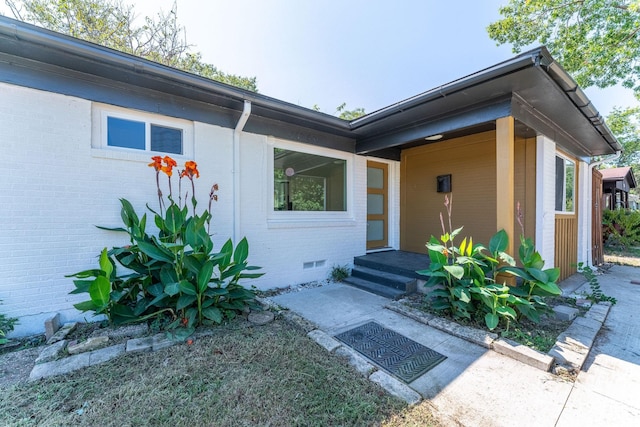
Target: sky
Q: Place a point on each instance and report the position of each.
(365, 53)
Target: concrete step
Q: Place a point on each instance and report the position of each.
(374, 288)
(403, 283)
(365, 261)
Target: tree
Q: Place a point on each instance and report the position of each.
(111, 23)
(349, 114)
(625, 124)
(597, 41)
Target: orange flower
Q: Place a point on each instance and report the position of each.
(445, 252)
(157, 163)
(190, 170)
(169, 164)
(189, 341)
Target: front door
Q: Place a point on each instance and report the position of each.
(377, 205)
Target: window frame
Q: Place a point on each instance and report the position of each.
(566, 159)
(284, 218)
(101, 148)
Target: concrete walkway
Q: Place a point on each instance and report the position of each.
(475, 386)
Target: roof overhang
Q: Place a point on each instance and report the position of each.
(531, 87)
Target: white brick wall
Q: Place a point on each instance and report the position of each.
(55, 188)
(584, 212)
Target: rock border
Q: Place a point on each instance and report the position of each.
(567, 355)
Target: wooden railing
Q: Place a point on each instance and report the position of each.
(566, 254)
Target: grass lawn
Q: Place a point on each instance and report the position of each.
(627, 256)
(243, 375)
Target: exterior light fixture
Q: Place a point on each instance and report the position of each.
(434, 137)
(443, 183)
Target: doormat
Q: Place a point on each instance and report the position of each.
(397, 354)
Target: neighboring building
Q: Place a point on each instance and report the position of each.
(518, 132)
(616, 184)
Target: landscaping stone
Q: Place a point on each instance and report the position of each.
(395, 387)
(477, 336)
(51, 326)
(599, 311)
(105, 354)
(90, 344)
(583, 302)
(410, 312)
(160, 341)
(62, 333)
(306, 325)
(128, 331)
(356, 360)
(323, 339)
(60, 367)
(565, 313)
(138, 345)
(261, 317)
(522, 353)
(52, 352)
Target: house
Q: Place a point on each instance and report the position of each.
(519, 132)
(616, 183)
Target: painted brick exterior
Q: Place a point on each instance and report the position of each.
(57, 186)
(545, 199)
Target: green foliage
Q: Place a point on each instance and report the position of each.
(175, 273)
(468, 278)
(111, 23)
(339, 272)
(538, 339)
(596, 295)
(6, 325)
(621, 227)
(625, 125)
(596, 41)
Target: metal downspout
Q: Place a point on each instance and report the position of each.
(590, 186)
(246, 112)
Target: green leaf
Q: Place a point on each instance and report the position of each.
(204, 275)
(227, 251)
(156, 289)
(491, 320)
(185, 301)
(455, 270)
(506, 311)
(155, 252)
(499, 242)
(215, 292)
(82, 286)
(539, 275)
(172, 289)
(86, 306)
(173, 219)
(212, 313)
(105, 263)
(463, 246)
(100, 290)
(553, 274)
(128, 214)
(455, 232)
(187, 287)
(242, 251)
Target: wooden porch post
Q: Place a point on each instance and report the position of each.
(505, 177)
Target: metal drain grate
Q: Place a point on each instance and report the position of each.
(397, 354)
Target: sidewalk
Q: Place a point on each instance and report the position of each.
(475, 386)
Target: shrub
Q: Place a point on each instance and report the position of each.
(339, 272)
(6, 325)
(175, 273)
(621, 227)
(468, 277)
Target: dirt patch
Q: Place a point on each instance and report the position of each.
(622, 260)
(16, 366)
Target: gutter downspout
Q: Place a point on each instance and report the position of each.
(615, 156)
(246, 112)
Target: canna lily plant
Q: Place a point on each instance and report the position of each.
(466, 277)
(173, 275)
